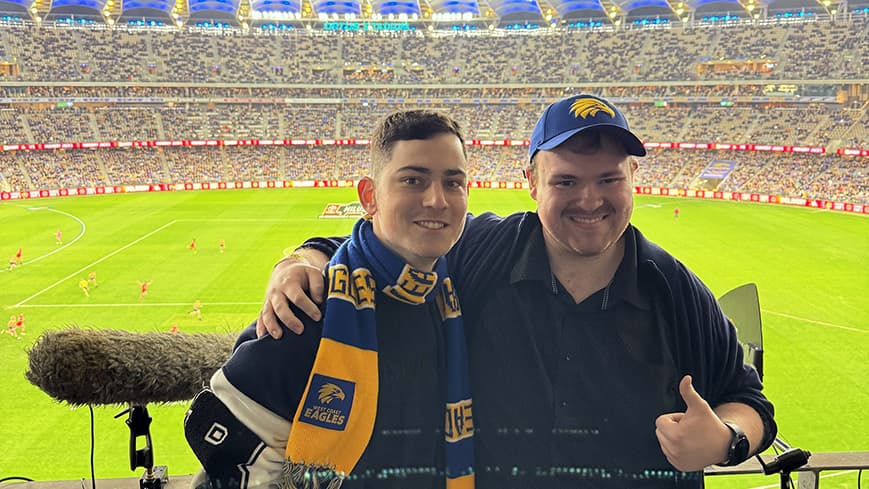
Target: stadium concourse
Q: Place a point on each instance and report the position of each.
(771, 84)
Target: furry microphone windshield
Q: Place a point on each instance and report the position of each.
(90, 366)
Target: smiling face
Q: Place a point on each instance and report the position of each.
(419, 197)
(584, 194)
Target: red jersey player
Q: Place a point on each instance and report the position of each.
(19, 324)
(143, 288)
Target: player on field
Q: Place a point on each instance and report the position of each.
(143, 288)
(10, 326)
(83, 285)
(19, 325)
(197, 309)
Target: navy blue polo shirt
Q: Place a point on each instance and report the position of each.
(566, 394)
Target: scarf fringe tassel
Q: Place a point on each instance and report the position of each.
(303, 476)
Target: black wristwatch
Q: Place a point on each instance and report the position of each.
(739, 446)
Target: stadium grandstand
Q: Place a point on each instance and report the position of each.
(97, 93)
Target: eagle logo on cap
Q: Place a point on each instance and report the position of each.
(589, 107)
(328, 392)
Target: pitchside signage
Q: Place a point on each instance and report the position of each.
(363, 142)
(355, 210)
(352, 209)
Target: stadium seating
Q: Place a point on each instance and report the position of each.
(188, 85)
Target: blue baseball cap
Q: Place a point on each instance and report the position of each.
(572, 115)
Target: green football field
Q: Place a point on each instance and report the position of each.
(810, 267)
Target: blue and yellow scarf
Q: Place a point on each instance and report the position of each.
(334, 421)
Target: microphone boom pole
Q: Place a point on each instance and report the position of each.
(115, 367)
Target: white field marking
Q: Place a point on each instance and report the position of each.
(82, 229)
(651, 206)
(137, 304)
(813, 321)
(106, 257)
(823, 476)
(231, 220)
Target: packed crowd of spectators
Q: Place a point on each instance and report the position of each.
(788, 51)
(841, 179)
(205, 93)
(132, 166)
(814, 124)
(819, 176)
(336, 86)
(114, 123)
(74, 122)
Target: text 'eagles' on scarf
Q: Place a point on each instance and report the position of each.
(334, 421)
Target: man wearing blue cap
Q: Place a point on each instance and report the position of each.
(597, 359)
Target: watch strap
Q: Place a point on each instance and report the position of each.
(738, 450)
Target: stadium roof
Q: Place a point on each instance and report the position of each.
(500, 12)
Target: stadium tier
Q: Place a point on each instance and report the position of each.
(776, 83)
(833, 52)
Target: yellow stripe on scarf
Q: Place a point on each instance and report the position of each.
(333, 424)
(463, 482)
(412, 286)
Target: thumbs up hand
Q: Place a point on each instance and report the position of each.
(695, 439)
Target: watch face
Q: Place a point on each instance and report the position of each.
(740, 449)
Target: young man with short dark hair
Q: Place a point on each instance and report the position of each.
(359, 399)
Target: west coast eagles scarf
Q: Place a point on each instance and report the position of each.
(333, 423)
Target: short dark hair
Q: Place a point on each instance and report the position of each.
(406, 125)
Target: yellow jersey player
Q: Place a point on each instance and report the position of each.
(11, 329)
(197, 309)
(83, 285)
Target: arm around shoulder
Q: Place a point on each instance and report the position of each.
(297, 279)
(238, 428)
